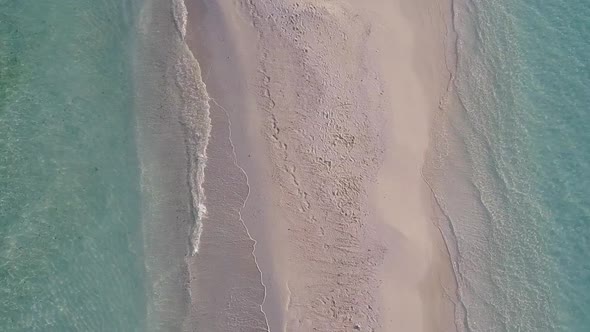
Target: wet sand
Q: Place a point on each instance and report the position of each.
(330, 105)
(225, 286)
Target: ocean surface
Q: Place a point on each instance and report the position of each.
(70, 228)
(510, 168)
(103, 124)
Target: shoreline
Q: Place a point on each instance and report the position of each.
(225, 277)
(403, 189)
(283, 207)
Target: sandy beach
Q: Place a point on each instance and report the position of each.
(319, 218)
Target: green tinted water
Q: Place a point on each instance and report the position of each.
(70, 235)
(515, 185)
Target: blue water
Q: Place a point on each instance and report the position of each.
(104, 124)
(70, 227)
(514, 165)
(511, 170)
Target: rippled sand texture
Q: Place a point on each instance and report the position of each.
(330, 105)
(324, 149)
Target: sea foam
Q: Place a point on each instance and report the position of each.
(195, 110)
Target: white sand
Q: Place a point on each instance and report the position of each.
(331, 111)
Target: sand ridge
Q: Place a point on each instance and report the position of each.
(324, 149)
(331, 128)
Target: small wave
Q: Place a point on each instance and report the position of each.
(180, 14)
(196, 123)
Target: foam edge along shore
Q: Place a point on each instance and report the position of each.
(187, 278)
(196, 122)
(505, 148)
(173, 128)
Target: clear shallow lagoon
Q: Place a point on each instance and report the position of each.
(70, 226)
(512, 168)
(103, 127)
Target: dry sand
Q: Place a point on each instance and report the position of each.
(330, 104)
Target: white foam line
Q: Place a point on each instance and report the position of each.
(235, 160)
(287, 304)
(181, 27)
(180, 16)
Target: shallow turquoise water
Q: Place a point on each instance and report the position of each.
(517, 180)
(70, 235)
